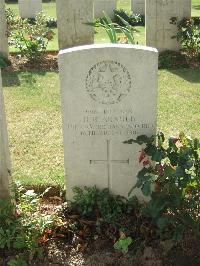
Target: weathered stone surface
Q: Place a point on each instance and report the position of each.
(104, 5)
(5, 168)
(108, 95)
(159, 29)
(73, 17)
(138, 6)
(187, 8)
(3, 29)
(29, 8)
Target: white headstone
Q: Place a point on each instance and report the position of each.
(3, 30)
(108, 96)
(187, 8)
(159, 29)
(73, 17)
(29, 8)
(104, 5)
(138, 6)
(5, 177)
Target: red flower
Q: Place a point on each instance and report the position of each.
(146, 162)
(142, 156)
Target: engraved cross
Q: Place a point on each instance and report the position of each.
(109, 161)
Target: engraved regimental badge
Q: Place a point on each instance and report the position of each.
(108, 82)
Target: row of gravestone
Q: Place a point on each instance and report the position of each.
(108, 95)
(74, 16)
(29, 8)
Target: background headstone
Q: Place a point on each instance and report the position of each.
(72, 18)
(187, 8)
(159, 29)
(5, 177)
(138, 6)
(29, 8)
(108, 95)
(3, 29)
(104, 5)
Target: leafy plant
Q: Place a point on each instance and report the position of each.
(17, 262)
(188, 35)
(109, 27)
(31, 39)
(115, 32)
(123, 244)
(130, 17)
(51, 22)
(4, 61)
(91, 201)
(174, 171)
(11, 20)
(20, 228)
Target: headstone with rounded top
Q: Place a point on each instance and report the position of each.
(187, 8)
(160, 31)
(74, 18)
(107, 6)
(29, 8)
(138, 6)
(109, 95)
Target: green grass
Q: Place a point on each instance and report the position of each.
(100, 36)
(34, 123)
(34, 120)
(195, 7)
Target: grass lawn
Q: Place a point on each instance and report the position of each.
(34, 119)
(195, 7)
(100, 37)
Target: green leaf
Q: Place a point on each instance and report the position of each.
(146, 189)
(161, 138)
(173, 156)
(178, 234)
(164, 221)
(123, 244)
(158, 155)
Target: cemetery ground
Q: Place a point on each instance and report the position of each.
(83, 232)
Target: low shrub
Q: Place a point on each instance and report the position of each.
(11, 21)
(20, 228)
(93, 202)
(188, 35)
(51, 22)
(174, 171)
(31, 38)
